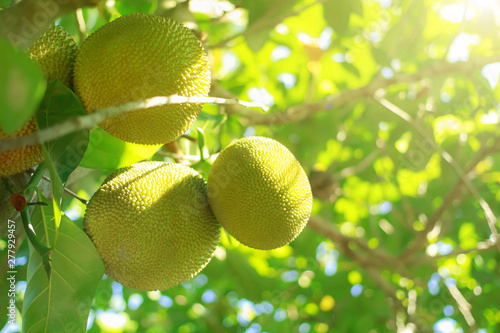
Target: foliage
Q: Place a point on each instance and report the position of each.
(392, 108)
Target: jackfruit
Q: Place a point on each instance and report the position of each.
(152, 225)
(259, 193)
(139, 56)
(55, 53)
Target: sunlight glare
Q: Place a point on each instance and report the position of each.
(486, 4)
(491, 73)
(213, 8)
(459, 50)
(111, 320)
(455, 13)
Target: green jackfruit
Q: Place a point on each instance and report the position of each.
(139, 56)
(55, 53)
(259, 193)
(152, 225)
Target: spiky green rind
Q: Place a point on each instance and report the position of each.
(259, 193)
(139, 56)
(55, 53)
(152, 225)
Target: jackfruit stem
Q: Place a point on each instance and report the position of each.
(35, 179)
(39, 247)
(42, 250)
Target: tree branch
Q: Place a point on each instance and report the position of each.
(484, 246)
(267, 21)
(90, 120)
(376, 258)
(490, 216)
(329, 230)
(67, 190)
(300, 112)
(463, 305)
(361, 166)
(179, 157)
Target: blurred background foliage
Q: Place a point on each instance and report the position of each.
(392, 108)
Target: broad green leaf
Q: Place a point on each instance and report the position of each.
(201, 142)
(338, 12)
(130, 6)
(5, 3)
(58, 105)
(62, 155)
(21, 87)
(63, 303)
(256, 9)
(211, 121)
(108, 152)
(257, 40)
(260, 13)
(497, 90)
(57, 189)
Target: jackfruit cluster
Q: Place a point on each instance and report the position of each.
(156, 224)
(259, 193)
(55, 53)
(139, 56)
(152, 225)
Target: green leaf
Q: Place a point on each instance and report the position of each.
(63, 303)
(57, 189)
(256, 9)
(62, 155)
(21, 87)
(496, 92)
(201, 142)
(202, 167)
(260, 13)
(131, 6)
(211, 121)
(108, 152)
(338, 12)
(257, 40)
(58, 105)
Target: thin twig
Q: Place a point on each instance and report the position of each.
(332, 102)
(73, 194)
(190, 138)
(387, 288)
(463, 305)
(268, 21)
(490, 216)
(330, 231)
(82, 29)
(362, 165)
(90, 120)
(192, 158)
(452, 195)
(485, 246)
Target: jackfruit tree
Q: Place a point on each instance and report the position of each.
(249, 166)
